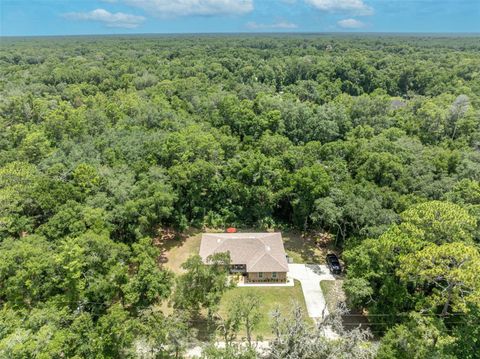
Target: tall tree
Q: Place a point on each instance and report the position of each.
(445, 275)
(441, 222)
(308, 185)
(421, 337)
(202, 285)
(148, 283)
(246, 309)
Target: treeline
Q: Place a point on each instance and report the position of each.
(105, 141)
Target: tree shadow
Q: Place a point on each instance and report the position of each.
(305, 246)
(315, 268)
(168, 238)
(204, 329)
(355, 319)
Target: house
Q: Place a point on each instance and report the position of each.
(259, 257)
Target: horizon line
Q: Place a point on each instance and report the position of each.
(229, 33)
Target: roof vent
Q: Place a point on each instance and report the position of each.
(267, 248)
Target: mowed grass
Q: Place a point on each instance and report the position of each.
(271, 298)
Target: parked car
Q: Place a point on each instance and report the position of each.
(334, 264)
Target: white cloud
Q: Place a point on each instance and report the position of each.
(165, 8)
(118, 19)
(357, 7)
(278, 25)
(350, 24)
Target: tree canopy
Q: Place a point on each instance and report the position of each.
(106, 141)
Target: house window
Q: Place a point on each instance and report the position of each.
(274, 275)
(260, 274)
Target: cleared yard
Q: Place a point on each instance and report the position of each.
(270, 299)
(176, 251)
(303, 249)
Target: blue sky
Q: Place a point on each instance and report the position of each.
(75, 17)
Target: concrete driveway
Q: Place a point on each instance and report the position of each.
(310, 276)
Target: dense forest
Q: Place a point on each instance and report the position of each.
(106, 142)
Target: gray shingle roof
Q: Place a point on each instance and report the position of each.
(260, 252)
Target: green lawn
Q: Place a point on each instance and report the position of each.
(270, 298)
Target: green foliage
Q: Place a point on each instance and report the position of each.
(448, 273)
(73, 219)
(34, 147)
(466, 333)
(105, 141)
(41, 334)
(16, 182)
(421, 337)
(161, 336)
(309, 184)
(117, 331)
(427, 263)
(371, 273)
(441, 222)
(148, 283)
(202, 285)
(85, 177)
(245, 310)
(27, 268)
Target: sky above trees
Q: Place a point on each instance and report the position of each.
(73, 17)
